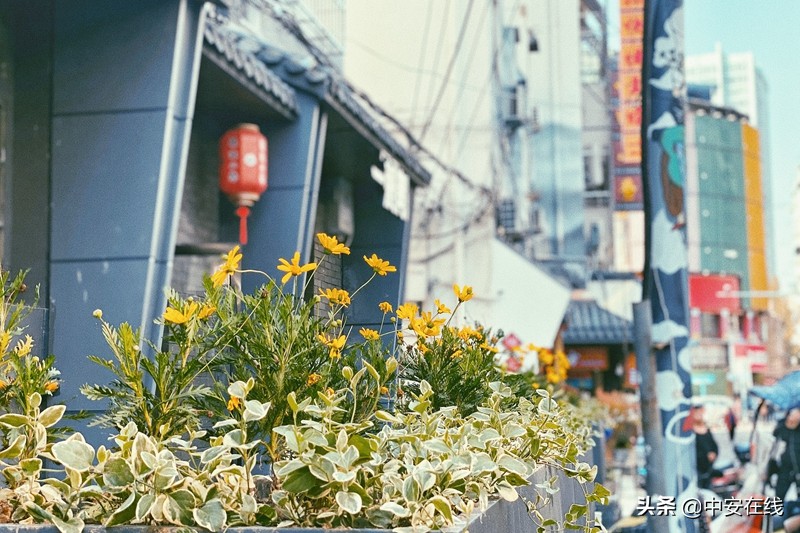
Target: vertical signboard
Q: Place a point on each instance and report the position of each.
(627, 92)
(666, 272)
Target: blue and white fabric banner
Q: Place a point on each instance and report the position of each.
(666, 276)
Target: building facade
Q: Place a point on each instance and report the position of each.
(112, 117)
(726, 232)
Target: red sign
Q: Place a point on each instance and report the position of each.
(511, 342)
(588, 358)
(714, 292)
(756, 355)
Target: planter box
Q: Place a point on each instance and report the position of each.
(512, 517)
(500, 517)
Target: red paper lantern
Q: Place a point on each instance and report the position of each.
(243, 170)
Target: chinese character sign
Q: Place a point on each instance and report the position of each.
(666, 283)
(627, 92)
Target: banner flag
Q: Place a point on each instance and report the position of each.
(666, 257)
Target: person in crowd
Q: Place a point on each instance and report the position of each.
(705, 445)
(787, 443)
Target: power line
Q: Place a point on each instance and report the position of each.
(420, 61)
(448, 72)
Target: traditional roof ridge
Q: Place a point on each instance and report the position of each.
(280, 74)
(588, 323)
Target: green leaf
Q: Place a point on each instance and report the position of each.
(349, 501)
(396, 509)
(179, 507)
(144, 505)
(50, 416)
(211, 516)
(234, 438)
(254, 410)
(74, 454)
(238, 389)
(443, 506)
(124, 512)
(300, 480)
(31, 466)
(117, 473)
(513, 465)
(291, 398)
(507, 492)
(73, 525)
(13, 420)
(481, 462)
(15, 448)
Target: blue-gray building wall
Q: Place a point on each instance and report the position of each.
(123, 85)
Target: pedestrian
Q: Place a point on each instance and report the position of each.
(705, 445)
(787, 446)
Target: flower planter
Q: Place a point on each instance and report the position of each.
(501, 515)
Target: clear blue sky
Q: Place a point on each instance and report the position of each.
(770, 29)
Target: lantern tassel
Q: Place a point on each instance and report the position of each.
(243, 212)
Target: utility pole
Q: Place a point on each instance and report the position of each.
(651, 415)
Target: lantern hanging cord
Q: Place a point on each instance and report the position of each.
(243, 212)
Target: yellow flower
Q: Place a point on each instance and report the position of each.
(546, 357)
(492, 349)
(294, 268)
(5, 340)
(332, 245)
(51, 386)
(380, 266)
(336, 296)
(407, 310)
(426, 325)
(206, 311)
(230, 266)
(384, 390)
(180, 317)
(313, 379)
(233, 403)
(329, 392)
(335, 345)
(24, 348)
(456, 355)
(3, 384)
(97, 313)
(423, 348)
(369, 334)
(386, 307)
(463, 294)
(440, 307)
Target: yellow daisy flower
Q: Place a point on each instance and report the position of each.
(313, 379)
(336, 296)
(294, 268)
(407, 310)
(332, 245)
(369, 334)
(233, 403)
(51, 386)
(380, 266)
(463, 294)
(440, 307)
(230, 266)
(386, 307)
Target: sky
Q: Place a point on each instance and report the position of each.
(768, 29)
